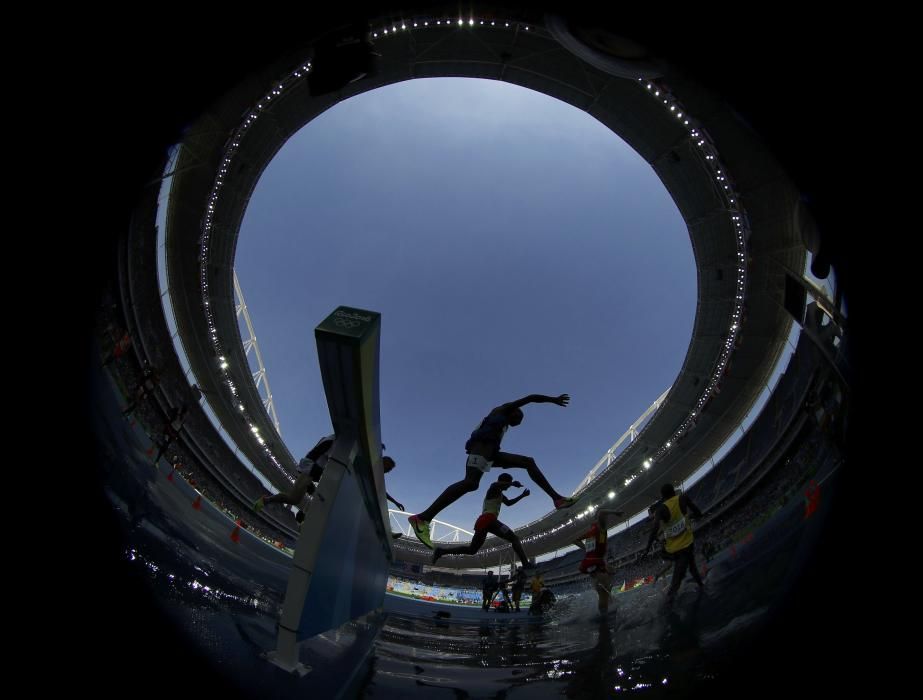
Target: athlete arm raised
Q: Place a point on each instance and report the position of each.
(514, 501)
(561, 400)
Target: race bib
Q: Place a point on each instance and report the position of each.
(478, 462)
(675, 529)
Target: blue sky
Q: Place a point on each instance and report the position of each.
(512, 244)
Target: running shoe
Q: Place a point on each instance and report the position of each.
(421, 530)
(564, 502)
(258, 504)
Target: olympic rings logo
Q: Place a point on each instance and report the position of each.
(346, 323)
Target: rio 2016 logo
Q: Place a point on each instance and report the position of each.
(345, 319)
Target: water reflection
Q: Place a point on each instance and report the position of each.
(639, 645)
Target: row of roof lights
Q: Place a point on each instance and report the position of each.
(737, 219)
(208, 223)
(461, 22)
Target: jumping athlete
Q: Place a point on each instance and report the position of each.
(594, 563)
(483, 448)
(487, 523)
(670, 517)
(316, 457)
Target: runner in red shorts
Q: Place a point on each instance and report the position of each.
(594, 563)
(487, 522)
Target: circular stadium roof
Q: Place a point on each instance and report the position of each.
(741, 210)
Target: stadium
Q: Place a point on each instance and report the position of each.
(774, 301)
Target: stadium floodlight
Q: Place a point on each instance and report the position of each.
(611, 495)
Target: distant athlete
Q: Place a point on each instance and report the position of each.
(483, 448)
(517, 586)
(489, 586)
(150, 378)
(488, 523)
(171, 429)
(542, 598)
(670, 518)
(594, 563)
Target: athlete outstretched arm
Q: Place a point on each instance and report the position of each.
(561, 400)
